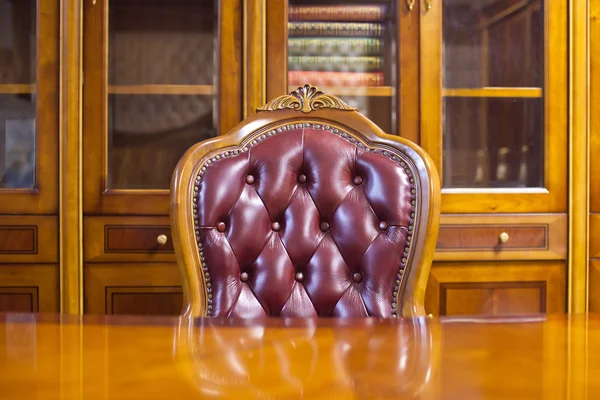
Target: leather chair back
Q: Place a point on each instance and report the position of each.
(305, 209)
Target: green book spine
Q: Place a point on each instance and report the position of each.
(334, 63)
(328, 46)
(352, 29)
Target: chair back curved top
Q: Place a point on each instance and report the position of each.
(305, 209)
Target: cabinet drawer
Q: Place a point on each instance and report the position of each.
(29, 288)
(493, 288)
(28, 239)
(502, 237)
(135, 239)
(143, 289)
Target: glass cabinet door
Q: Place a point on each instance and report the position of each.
(28, 106)
(349, 49)
(503, 104)
(164, 78)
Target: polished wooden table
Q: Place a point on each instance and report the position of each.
(61, 357)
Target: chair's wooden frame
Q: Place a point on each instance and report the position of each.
(306, 104)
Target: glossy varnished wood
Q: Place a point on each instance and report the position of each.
(127, 239)
(43, 199)
(156, 358)
(477, 237)
(276, 48)
(496, 288)
(29, 288)
(98, 198)
(132, 288)
(552, 197)
(25, 239)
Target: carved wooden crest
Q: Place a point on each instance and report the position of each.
(306, 98)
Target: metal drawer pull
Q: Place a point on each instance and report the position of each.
(161, 239)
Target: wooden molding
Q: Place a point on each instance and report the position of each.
(579, 150)
(70, 170)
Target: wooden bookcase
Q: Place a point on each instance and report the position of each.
(119, 89)
(29, 132)
(488, 101)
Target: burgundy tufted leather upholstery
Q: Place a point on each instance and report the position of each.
(304, 219)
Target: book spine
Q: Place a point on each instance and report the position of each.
(319, 78)
(334, 63)
(337, 13)
(332, 46)
(352, 29)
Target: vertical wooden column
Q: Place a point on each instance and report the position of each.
(70, 167)
(254, 77)
(408, 68)
(430, 76)
(276, 20)
(579, 182)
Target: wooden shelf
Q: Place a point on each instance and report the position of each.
(162, 89)
(16, 88)
(528, 92)
(372, 91)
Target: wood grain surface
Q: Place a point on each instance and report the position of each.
(116, 357)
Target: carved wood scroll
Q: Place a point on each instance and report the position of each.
(306, 98)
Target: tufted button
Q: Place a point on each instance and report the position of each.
(244, 276)
(324, 226)
(249, 179)
(302, 178)
(221, 226)
(276, 226)
(357, 180)
(383, 225)
(299, 276)
(357, 277)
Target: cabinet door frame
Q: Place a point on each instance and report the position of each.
(42, 199)
(97, 197)
(553, 196)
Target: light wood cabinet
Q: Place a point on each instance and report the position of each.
(482, 87)
(162, 76)
(29, 132)
(106, 96)
(496, 288)
(494, 95)
(593, 270)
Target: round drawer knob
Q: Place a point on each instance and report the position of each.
(161, 239)
(503, 237)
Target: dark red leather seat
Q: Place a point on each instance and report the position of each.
(305, 210)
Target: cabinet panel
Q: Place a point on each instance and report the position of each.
(29, 107)
(168, 76)
(496, 120)
(594, 235)
(489, 288)
(594, 284)
(29, 288)
(138, 239)
(144, 300)
(150, 289)
(502, 237)
(26, 239)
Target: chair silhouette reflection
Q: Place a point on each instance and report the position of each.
(309, 358)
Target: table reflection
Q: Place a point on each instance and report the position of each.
(309, 359)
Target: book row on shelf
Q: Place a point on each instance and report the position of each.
(336, 45)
